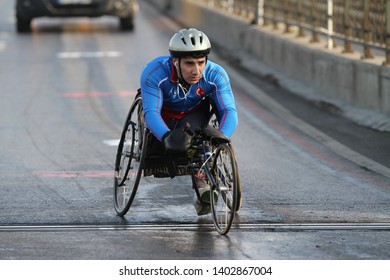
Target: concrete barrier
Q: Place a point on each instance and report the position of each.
(359, 88)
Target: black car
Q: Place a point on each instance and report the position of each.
(27, 10)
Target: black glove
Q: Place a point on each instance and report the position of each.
(177, 140)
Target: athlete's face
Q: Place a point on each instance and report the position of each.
(191, 68)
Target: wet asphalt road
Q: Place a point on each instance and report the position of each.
(66, 89)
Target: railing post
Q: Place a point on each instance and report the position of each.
(301, 30)
(274, 15)
(347, 28)
(259, 18)
(230, 6)
(367, 32)
(286, 16)
(330, 24)
(314, 24)
(387, 61)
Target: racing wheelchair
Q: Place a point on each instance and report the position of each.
(209, 154)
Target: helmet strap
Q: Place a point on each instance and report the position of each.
(180, 77)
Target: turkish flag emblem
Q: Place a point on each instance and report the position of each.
(199, 92)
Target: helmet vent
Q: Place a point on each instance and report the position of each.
(189, 42)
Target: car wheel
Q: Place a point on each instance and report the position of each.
(126, 23)
(23, 25)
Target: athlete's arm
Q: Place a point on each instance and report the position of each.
(152, 98)
(224, 101)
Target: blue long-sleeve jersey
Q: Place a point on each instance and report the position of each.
(161, 91)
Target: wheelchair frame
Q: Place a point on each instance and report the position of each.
(210, 153)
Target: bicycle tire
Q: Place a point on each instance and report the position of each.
(129, 159)
(224, 201)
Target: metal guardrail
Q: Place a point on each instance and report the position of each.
(362, 22)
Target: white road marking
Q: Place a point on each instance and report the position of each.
(97, 54)
(197, 227)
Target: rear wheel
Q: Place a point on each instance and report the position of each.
(129, 159)
(23, 25)
(224, 202)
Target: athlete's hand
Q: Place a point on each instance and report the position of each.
(177, 140)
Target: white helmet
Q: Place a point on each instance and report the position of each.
(189, 42)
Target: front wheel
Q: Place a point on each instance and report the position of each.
(129, 160)
(225, 199)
